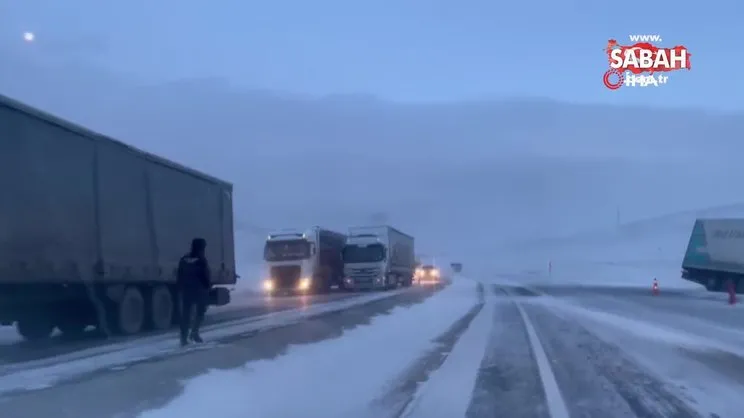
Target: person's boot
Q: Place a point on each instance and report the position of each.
(184, 337)
(195, 337)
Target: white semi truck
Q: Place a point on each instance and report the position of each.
(715, 254)
(303, 261)
(378, 257)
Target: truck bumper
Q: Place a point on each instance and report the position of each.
(356, 283)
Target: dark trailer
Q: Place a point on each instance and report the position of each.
(91, 229)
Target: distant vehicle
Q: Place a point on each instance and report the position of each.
(456, 267)
(428, 274)
(715, 254)
(304, 261)
(378, 257)
(92, 229)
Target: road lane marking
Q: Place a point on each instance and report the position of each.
(556, 404)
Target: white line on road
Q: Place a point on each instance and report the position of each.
(553, 397)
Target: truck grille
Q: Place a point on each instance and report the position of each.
(285, 277)
(364, 276)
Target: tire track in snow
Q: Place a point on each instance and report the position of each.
(599, 379)
(508, 383)
(397, 398)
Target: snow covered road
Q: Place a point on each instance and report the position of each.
(472, 350)
(13, 350)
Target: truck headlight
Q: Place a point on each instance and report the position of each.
(435, 273)
(419, 273)
(268, 285)
(304, 283)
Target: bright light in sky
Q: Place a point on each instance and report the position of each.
(28, 36)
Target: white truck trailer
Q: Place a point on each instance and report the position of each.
(715, 254)
(378, 257)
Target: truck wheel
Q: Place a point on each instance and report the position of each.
(160, 309)
(35, 328)
(130, 312)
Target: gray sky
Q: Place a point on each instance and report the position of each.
(404, 50)
(460, 176)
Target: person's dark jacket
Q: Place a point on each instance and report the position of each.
(193, 269)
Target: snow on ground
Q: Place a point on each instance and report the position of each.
(448, 391)
(9, 335)
(339, 377)
(666, 344)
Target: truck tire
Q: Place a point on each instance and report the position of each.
(129, 313)
(35, 328)
(160, 308)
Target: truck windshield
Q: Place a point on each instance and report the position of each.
(364, 254)
(286, 250)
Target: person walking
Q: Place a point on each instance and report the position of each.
(193, 282)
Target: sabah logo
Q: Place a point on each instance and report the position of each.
(643, 63)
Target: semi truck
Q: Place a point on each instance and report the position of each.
(92, 229)
(378, 257)
(715, 254)
(303, 261)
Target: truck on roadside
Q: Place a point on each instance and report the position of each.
(304, 261)
(92, 229)
(378, 257)
(715, 254)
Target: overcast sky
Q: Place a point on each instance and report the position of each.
(404, 50)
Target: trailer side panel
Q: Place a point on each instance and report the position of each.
(47, 228)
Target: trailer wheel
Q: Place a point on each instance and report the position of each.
(130, 312)
(160, 309)
(35, 328)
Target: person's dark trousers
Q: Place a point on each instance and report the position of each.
(191, 300)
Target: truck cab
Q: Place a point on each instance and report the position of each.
(365, 262)
(378, 257)
(300, 262)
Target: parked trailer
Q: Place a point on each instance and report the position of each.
(378, 257)
(91, 229)
(715, 254)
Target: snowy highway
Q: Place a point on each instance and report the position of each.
(474, 349)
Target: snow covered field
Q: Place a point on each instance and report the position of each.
(632, 255)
